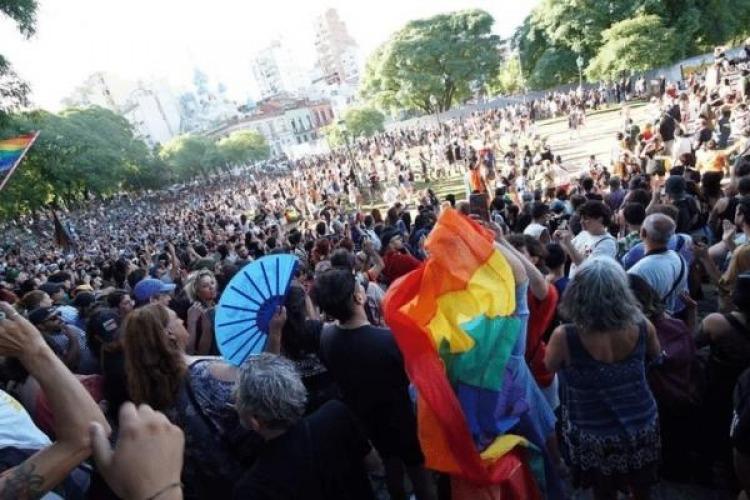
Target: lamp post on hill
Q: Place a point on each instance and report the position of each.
(434, 103)
(579, 62)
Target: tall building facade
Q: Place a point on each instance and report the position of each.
(338, 53)
(277, 72)
(151, 107)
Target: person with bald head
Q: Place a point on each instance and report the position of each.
(664, 269)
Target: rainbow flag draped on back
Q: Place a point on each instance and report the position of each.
(453, 321)
(11, 151)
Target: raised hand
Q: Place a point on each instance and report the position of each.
(147, 459)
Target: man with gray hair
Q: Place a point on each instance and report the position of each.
(665, 270)
(321, 456)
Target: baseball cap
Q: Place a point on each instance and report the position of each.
(104, 324)
(150, 287)
(42, 314)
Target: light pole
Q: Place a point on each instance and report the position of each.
(434, 103)
(579, 62)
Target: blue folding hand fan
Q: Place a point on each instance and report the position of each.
(248, 304)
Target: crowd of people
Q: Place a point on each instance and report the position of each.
(636, 273)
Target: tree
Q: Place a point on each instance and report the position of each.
(14, 91)
(509, 79)
(364, 121)
(556, 66)
(334, 135)
(636, 44)
(440, 59)
(189, 156)
(244, 146)
(557, 31)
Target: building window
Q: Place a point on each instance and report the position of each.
(299, 141)
(309, 121)
(294, 125)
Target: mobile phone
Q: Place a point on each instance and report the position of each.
(478, 206)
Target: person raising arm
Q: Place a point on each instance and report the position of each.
(71, 404)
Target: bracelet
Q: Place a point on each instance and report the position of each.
(164, 490)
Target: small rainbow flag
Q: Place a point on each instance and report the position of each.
(12, 152)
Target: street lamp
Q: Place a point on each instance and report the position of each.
(579, 62)
(434, 102)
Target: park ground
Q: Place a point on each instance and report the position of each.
(596, 138)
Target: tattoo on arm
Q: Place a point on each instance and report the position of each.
(21, 483)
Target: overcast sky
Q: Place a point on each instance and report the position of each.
(168, 38)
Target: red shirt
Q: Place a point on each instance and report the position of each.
(541, 314)
(397, 264)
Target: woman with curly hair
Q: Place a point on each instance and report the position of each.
(195, 393)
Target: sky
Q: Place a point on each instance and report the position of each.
(143, 39)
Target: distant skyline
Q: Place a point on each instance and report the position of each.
(144, 39)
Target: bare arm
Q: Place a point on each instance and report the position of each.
(556, 354)
(275, 327)
(537, 282)
(71, 404)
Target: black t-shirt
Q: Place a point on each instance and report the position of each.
(321, 457)
(366, 364)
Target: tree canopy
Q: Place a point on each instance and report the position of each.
(606, 33)
(626, 42)
(244, 146)
(509, 80)
(79, 153)
(430, 64)
(84, 152)
(13, 90)
(364, 121)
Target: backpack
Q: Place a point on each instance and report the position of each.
(676, 379)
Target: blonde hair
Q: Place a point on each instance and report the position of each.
(191, 282)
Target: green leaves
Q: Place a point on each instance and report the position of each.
(627, 42)
(364, 121)
(14, 91)
(620, 35)
(79, 152)
(23, 12)
(244, 146)
(189, 156)
(432, 63)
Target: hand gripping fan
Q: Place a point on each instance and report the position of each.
(248, 303)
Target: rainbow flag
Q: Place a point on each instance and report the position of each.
(11, 153)
(453, 319)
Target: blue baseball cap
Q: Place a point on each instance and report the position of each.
(150, 287)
